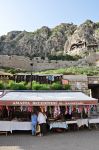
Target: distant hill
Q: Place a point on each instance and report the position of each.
(63, 39)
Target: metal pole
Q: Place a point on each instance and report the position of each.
(31, 64)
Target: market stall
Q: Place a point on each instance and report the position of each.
(62, 108)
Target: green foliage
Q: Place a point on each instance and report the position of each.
(11, 85)
(38, 86)
(74, 70)
(56, 86)
(97, 23)
(97, 30)
(43, 57)
(12, 70)
(67, 87)
(1, 85)
(88, 23)
(64, 57)
(17, 86)
(45, 87)
(3, 37)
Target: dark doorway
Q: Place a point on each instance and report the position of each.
(94, 90)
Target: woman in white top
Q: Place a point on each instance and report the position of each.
(42, 122)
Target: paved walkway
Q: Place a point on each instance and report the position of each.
(73, 140)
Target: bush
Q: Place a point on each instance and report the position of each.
(17, 86)
(67, 87)
(2, 85)
(64, 57)
(45, 87)
(9, 85)
(22, 86)
(35, 85)
(56, 86)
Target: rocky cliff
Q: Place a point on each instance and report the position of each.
(63, 39)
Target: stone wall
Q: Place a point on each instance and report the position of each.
(15, 61)
(93, 79)
(77, 82)
(39, 64)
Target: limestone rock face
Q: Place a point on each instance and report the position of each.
(42, 42)
(63, 39)
(85, 38)
(60, 34)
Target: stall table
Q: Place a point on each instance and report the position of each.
(6, 126)
(93, 121)
(19, 125)
(82, 122)
(72, 123)
(58, 124)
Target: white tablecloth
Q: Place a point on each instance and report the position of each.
(5, 125)
(96, 120)
(81, 122)
(71, 122)
(14, 125)
(58, 125)
(21, 125)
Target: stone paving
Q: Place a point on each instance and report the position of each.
(72, 140)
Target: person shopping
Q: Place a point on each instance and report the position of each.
(34, 122)
(42, 122)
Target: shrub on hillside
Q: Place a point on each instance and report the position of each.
(63, 57)
(2, 85)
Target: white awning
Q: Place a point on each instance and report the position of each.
(47, 96)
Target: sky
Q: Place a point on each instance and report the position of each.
(30, 15)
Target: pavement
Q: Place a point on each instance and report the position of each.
(69, 140)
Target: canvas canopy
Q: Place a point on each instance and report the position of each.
(42, 98)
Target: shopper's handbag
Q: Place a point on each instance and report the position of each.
(38, 129)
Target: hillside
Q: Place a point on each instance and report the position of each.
(63, 39)
(90, 71)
